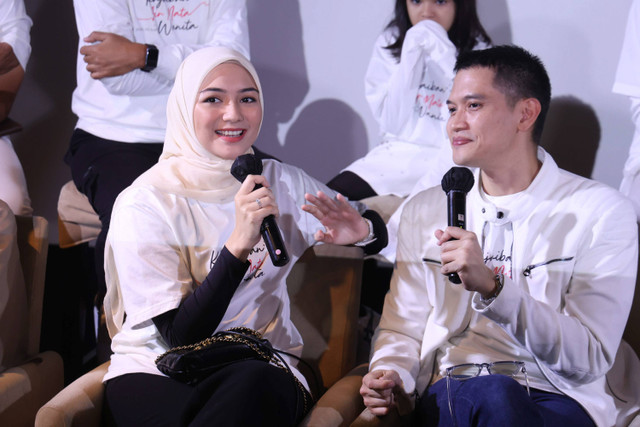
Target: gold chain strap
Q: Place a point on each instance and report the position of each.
(239, 335)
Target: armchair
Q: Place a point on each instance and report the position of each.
(30, 378)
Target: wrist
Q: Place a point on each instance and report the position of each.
(150, 57)
(370, 237)
(498, 284)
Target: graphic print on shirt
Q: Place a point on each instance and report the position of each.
(168, 16)
(430, 101)
(257, 257)
(498, 247)
(434, 89)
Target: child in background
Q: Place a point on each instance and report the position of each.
(407, 84)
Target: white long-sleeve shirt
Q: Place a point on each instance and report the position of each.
(408, 100)
(565, 306)
(132, 107)
(627, 82)
(15, 25)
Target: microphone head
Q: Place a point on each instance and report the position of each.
(246, 164)
(457, 179)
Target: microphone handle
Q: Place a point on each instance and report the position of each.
(273, 239)
(456, 216)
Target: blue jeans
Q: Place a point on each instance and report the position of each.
(497, 400)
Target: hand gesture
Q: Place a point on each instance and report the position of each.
(343, 224)
(252, 206)
(383, 391)
(464, 256)
(113, 55)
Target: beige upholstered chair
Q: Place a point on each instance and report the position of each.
(34, 377)
(77, 221)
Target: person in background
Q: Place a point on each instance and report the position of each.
(14, 54)
(406, 86)
(627, 82)
(532, 335)
(185, 257)
(128, 55)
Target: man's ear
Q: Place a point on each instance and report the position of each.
(529, 109)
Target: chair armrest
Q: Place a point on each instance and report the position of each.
(80, 403)
(26, 387)
(342, 402)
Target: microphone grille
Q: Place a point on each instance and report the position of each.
(246, 164)
(457, 179)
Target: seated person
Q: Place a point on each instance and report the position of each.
(407, 82)
(14, 54)
(185, 257)
(547, 265)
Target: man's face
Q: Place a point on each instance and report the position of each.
(482, 125)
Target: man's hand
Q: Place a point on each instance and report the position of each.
(464, 256)
(112, 55)
(383, 391)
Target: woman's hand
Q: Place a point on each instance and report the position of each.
(252, 206)
(343, 224)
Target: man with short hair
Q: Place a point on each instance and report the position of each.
(547, 265)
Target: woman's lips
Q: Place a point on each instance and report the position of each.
(231, 135)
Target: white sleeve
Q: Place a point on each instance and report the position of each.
(14, 29)
(143, 258)
(227, 26)
(579, 341)
(398, 338)
(627, 80)
(391, 87)
(112, 16)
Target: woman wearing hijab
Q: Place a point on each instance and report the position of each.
(185, 259)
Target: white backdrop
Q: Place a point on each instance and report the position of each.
(312, 56)
(579, 42)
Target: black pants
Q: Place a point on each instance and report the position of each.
(245, 393)
(101, 169)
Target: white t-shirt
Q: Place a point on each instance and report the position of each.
(132, 107)
(160, 245)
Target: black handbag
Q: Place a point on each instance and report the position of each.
(193, 363)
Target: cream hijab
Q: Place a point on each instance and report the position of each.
(185, 167)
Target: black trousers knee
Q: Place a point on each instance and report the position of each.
(245, 393)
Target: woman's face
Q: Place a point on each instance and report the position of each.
(227, 113)
(441, 11)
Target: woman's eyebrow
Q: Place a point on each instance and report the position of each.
(217, 89)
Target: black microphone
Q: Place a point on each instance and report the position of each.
(248, 164)
(456, 183)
